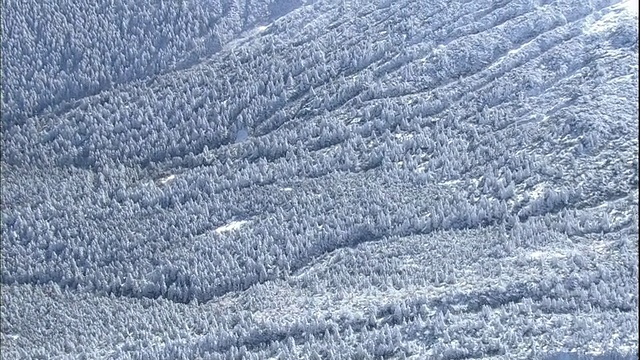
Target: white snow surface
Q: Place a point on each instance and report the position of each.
(320, 180)
(232, 226)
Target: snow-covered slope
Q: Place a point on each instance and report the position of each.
(329, 179)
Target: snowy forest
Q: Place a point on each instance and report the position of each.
(330, 179)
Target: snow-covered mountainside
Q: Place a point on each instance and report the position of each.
(331, 179)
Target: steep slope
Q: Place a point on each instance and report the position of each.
(353, 179)
(55, 52)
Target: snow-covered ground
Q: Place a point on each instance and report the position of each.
(325, 180)
(234, 225)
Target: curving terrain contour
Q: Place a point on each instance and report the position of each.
(330, 179)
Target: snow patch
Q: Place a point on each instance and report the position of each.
(521, 47)
(451, 182)
(609, 20)
(439, 49)
(537, 191)
(630, 6)
(538, 255)
(403, 136)
(601, 247)
(234, 225)
(167, 179)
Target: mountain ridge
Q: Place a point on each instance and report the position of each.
(352, 180)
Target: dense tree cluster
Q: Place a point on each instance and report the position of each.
(445, 180)
(369, 303)
(55, 52)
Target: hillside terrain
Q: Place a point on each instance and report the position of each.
(347, 179)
